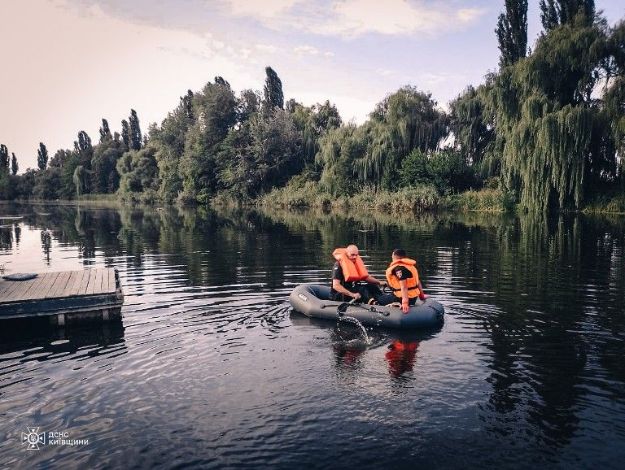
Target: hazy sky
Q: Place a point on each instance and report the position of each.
(69, 63)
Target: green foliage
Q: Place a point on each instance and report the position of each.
(14, 165)
(338, 149)
(105, 132)
(216, 111)
(104, 177)
(126, 134)
(554, 13)
(446, 170)
(403, 121)
(134, 130)
(42, 157)
(48, 183)
(4, 160)
(472, 124)
(84, 149)
(273, 95)
(553, 133)
(169, 141)
(138, 171)
(485, 200)
(512, 32)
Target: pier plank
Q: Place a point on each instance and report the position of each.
(84, 282)
(20, 289)
(74, 284)
(59, 286)
(13, 286)
(111, 281)
(47, 284)
(31, 287)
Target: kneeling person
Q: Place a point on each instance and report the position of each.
(347, 274)
(403, 278)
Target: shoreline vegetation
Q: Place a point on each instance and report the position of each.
(545, 133)
(309, 197)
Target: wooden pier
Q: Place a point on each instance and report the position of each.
(64, 296)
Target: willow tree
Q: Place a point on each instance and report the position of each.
(338, 149)
(473, 126)
(546, 116)
(403, 121)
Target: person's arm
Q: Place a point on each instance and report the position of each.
(404, 296)
(422, 295)
(337, 286)
(373, 280)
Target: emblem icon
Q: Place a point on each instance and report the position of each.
(33, 438)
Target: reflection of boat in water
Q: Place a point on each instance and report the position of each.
(313, 300)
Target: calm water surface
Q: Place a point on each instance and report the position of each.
(210, 368)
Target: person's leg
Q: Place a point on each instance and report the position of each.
(386, 299)
(338, 297)
(374, 292)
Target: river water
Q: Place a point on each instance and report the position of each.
(209, 367)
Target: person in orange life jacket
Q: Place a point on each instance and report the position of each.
(347, 272)
(403, 278)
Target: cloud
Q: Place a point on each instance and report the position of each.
(264, 9)
(306, 50)
(352, 18)
(268, 48)
(311, 50)
(394, 17)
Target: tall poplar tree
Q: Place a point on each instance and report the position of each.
(14, 166)
(4, 159)
(42, 156)
(126, 133)
(554, 13)
(512, 32)
(105, 131)
(273, 96)
(135, 131)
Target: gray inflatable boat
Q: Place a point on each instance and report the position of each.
(313, 300)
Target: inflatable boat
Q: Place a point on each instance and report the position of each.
(313, 300)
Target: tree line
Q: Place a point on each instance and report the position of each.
(547, 128)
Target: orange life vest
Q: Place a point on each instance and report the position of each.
(411, 282)
(352, 270)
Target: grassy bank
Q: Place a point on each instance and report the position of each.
(416, 199)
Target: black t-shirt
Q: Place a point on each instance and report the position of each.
(337, 273)
(402, 273)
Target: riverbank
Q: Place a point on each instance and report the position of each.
(414, 200)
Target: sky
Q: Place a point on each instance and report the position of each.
(69, 63)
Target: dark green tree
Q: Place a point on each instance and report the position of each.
(273, 96)
(216, 111)
(84, 149)
(105, 132)
(554, 13)
(4, 159)
(135, 131)
(42, 157)
(512, 32)
(14, 166)
(126, 134)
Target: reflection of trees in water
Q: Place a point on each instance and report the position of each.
(557, 285)
(46, 244)
(6, 237)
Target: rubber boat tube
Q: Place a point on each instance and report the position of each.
(313, 301)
